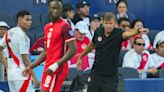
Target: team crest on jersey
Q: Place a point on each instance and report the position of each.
(71, 32)
(83, 46)
(99, 39)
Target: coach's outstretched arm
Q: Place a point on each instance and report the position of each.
(68, 55)
(132, 32)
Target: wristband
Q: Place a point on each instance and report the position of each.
(53, 67)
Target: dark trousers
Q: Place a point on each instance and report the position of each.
(101, 83)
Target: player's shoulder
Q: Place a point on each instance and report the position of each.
(65, 24)
(14, 29)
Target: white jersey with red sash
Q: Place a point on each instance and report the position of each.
(126, 45)
(158, 60)
(134, 60)
(17, 43)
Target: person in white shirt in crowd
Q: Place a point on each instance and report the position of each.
(158, 56)
(68, 14)
(139, 58)
(17, 43)
(82, 14)
(95, 22)
(124, 24)
(3, 29)
(138, 23)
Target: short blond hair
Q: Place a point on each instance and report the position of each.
(108, 16)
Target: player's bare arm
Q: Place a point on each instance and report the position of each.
(88, 49)
(40, 60)
(133, 32)
(69, 54)
(2, 58)
(27, 63)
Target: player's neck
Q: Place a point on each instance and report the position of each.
(55, 20)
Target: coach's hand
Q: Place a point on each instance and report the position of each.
(143, 30)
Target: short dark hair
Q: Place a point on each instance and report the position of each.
(82, 3)
(49, 1)
(123, 19)
(66, 7)
(120, 1)
(135, 21)
(22, 13)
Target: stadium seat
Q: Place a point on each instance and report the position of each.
(4, 86)
(36, 21)
(33, 57)
(152, 34)
(161, 73)
(32, 38)
(36, 30)
(122, 53)
(123, 73)
(72, 74)
(9, 19)
(38, 72)
(151, 51)
(127, 72)
(39, 35)
(45, 19)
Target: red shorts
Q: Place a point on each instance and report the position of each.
(53, 82)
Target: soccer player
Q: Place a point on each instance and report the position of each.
(58, 38)
(17, 44)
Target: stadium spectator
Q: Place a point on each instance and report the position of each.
(137, 23)
(95, 22)
(68, 14)
(138, 58)
(81, 43)
(158, 57)
(37, 47)
(17, 44)
(58, 38)
(122, 10)
(124, 24)
(3, 29)
(83, 9)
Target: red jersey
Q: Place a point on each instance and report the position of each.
(80, 46)
(56, 36)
